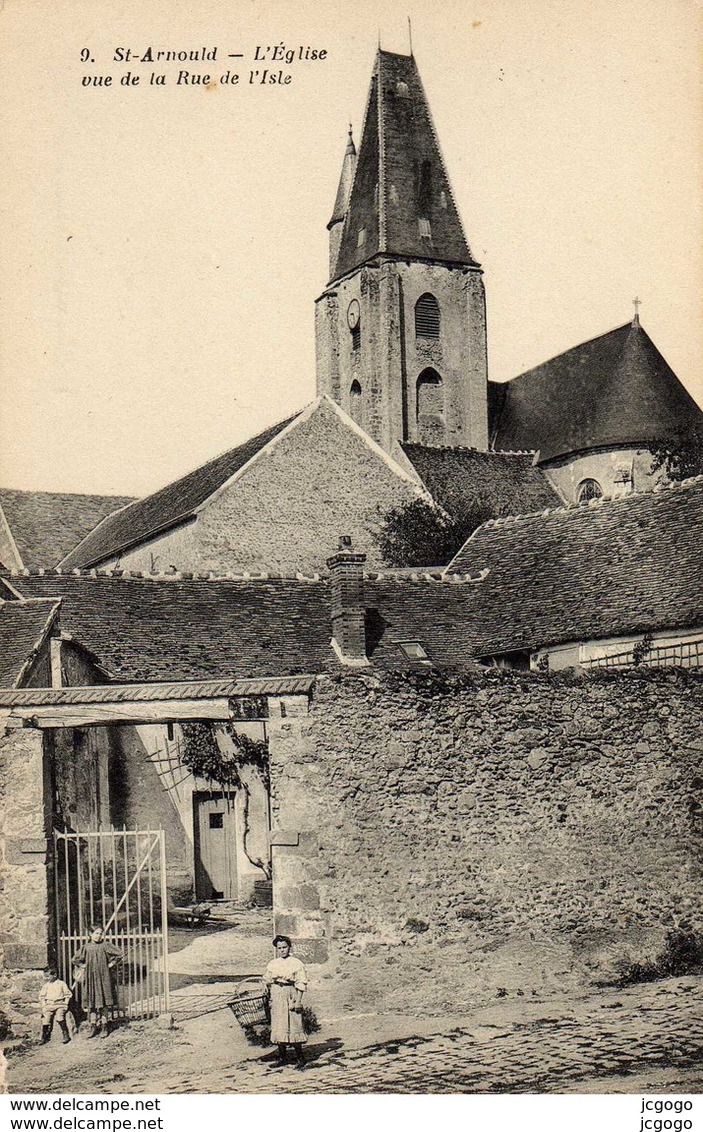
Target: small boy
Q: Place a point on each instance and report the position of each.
(54, 999)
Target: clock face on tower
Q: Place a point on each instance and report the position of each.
(353, 313)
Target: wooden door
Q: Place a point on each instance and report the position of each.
(215, 847)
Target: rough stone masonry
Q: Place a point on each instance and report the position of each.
(516, 831)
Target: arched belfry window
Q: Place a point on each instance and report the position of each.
(427, 317)
(355, 406)
(430, 395)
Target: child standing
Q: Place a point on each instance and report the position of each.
(94, 970)
(54, 999)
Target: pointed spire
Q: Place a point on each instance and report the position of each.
(401, 201)
(346, 180)
(341, 203)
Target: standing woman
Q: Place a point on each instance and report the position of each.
(287, 982)
(95, 962)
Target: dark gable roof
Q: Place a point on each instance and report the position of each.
(168, 506)
(616, 390)
(390, 193)
(623, 566)
(23, 627)
(180, 629)
(627, 565)
(504, 483)
(46, 525)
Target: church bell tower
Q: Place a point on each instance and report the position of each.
(401, 326)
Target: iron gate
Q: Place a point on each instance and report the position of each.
(116, 880)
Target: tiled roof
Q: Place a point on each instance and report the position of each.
(23, 627)
(616, 390)
(502, 483)
(623, 566)
(46, 525)
(346, 179)
(400, 176)
(171, 504)
(184, 629)
(145, 693)
(627, 565)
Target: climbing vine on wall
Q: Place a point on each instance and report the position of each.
(203, 757)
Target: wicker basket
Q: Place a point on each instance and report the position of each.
(250, 1007)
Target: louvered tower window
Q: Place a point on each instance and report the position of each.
(427, 317)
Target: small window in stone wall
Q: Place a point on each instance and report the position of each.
(430, 394)
(427, 318)
(589, 489)
(424, 228)
(402, 90)
(355, 402)
(361, 238)
(356, 338)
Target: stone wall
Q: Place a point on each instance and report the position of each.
(287, 512)
(24, 895)
(606, 467)
(503, 830)
(391, 358)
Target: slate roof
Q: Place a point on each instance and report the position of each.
(170, 505)
(622, 566)
(23, 628)
(613, 567)
(346, 180)
(161, 628)
(390, 191)
(614, 391)
(503, 483)
(46, 525)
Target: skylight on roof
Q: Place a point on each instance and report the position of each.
(413, 650)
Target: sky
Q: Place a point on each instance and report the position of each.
(162, 246)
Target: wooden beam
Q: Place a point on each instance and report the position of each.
(134, 711)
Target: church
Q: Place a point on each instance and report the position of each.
(405, 411)
(423, 766)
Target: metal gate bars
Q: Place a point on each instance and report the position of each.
(116, 880)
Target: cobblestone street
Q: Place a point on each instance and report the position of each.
(638, 1039)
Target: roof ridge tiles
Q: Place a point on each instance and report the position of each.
(436, 576)
(470, 448)
(602, 501)
(173, 575)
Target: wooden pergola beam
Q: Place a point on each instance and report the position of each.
(103, 714)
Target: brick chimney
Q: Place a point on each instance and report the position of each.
(346, 569)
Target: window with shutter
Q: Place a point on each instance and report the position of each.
(427, 317)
